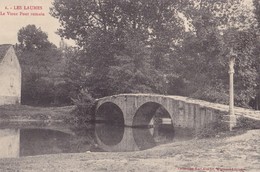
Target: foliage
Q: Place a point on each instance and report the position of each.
(75, 71)
(158, 46)
(41, 72)
(85, 110)
(31, 37)
(257, 11)
(205, 52)
(115, 17)
(247, 123)
(115, 36)
(211, 130)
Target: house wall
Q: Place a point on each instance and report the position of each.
(10, 143)
(10, 79)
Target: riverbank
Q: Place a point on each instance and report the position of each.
(29, 113)
(235, 153)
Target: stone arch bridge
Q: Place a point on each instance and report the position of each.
(138, 109)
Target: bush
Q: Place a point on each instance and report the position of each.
(85, 108)
(247, 123)
(211, 130)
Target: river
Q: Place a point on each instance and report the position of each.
(30, 141)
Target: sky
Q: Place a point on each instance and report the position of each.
(11, 24)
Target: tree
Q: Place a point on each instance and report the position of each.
(144, 46)
(256, 102)
(115, 35)
(216, 29)
(39, 60)
(257, 11)
(31, 37)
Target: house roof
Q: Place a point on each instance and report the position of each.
(3, 50)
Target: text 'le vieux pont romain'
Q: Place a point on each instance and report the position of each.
(22, 11)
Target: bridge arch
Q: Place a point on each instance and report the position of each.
(109, 135)
(147, 111)
(110, 112)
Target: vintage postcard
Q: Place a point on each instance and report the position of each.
(129, 85)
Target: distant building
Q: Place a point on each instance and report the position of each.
(10, 76)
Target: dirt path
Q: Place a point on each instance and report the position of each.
(237, 153)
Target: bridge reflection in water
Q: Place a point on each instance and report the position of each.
(114, 138)
(105, 137)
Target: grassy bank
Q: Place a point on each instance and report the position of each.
(29, 113)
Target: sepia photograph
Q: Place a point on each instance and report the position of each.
(130, 86)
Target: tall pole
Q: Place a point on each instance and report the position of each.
(231, 91)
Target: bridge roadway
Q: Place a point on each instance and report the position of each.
(187, 113)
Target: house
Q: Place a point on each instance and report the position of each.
(10, 76)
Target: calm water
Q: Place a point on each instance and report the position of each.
(102, 137)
